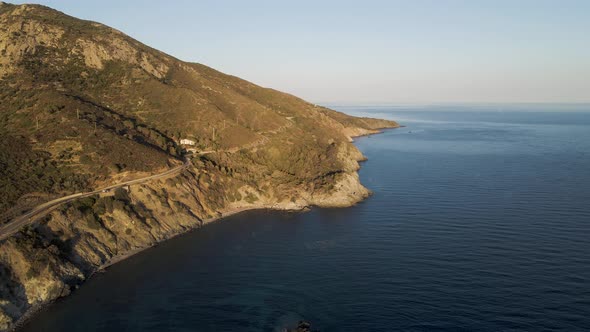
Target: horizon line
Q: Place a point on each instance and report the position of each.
(449, 103)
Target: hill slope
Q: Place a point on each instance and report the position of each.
(83, 106)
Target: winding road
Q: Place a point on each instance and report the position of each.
(11, 227)
(16, 224)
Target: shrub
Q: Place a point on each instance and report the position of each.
(93, 221)
(121, 195)
(251, 198)
(84, 204)
(118, 205)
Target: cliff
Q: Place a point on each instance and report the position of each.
(83, 106)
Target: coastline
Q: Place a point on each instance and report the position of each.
(276, 206)
(136, 108)
(237, 210)
(223, 215)
(30, 314)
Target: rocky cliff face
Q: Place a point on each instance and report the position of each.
(83, 106)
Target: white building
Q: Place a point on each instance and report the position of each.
(186, 141)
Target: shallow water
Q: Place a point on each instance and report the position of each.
(480, 221)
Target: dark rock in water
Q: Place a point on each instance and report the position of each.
(302, 326)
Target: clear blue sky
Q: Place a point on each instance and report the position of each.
(368, 51)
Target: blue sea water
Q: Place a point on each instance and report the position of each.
(480, 220)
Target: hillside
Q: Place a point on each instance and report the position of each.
(83, 106)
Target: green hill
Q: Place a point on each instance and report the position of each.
(83, 106)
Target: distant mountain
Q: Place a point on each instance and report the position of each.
(83, 106)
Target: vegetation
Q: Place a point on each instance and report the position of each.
(85, 102)
(82, 106)
(23, 170)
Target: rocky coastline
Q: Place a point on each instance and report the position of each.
(149, 216)
(108, 108)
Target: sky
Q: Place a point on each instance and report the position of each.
(370, 51)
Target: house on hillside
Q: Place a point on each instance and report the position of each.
(186, 141)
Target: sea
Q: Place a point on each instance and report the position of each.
(479, 221)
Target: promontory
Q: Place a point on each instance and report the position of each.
(108, 146)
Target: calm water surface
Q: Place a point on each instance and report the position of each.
(480, 221)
